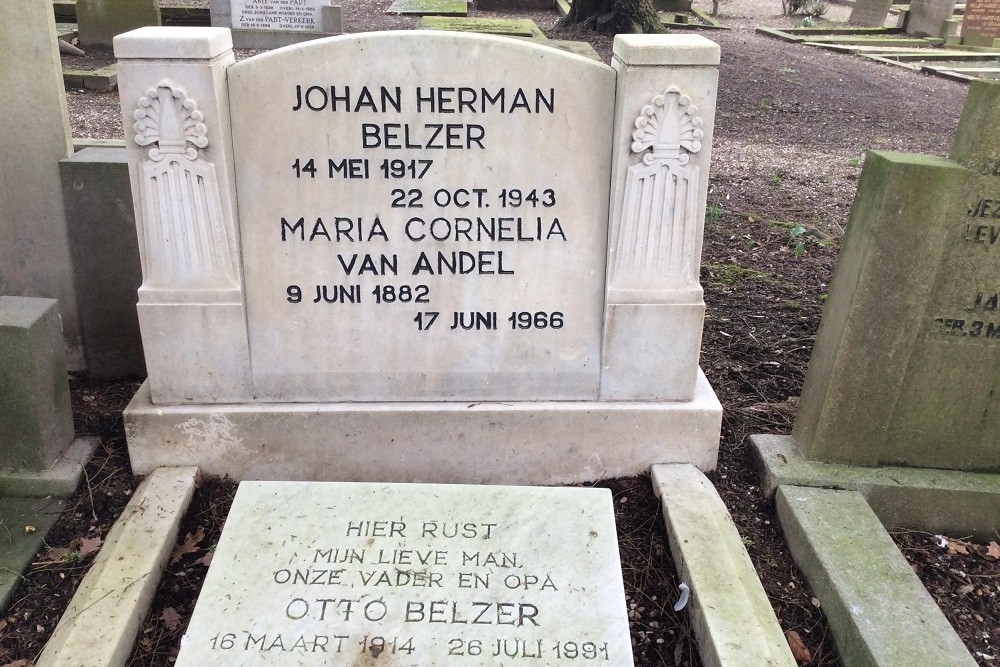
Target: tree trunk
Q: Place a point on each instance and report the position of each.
(611, 17)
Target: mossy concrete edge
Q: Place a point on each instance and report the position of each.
(879, 612)
(929, 499)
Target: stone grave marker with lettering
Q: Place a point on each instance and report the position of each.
(267, 24)
(477, 275)
(981, 23)
(412, 575)
(907, 359)
(870, 13)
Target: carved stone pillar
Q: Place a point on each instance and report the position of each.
(664, 114)
(175, 108)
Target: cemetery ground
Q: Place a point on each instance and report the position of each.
(792, 128)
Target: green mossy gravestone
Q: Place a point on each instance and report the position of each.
(503, 27)
(36, 423)
(906, 367)
(429, 7)
(101, 20)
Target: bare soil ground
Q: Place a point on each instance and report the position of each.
(792, 128)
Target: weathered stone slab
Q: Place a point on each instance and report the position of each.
(18, 545)
(870, 13)
(348, 574)
(553, 442)
(878, 610)
(429, 7)
(36, 423)
(928, 17)
(34, 251)
(98, 202)
(732, 616)
(58, 480)
(928, 499)
(502, 27)
(492, 5)
(911, 379)
(101, 622)
(100, 20)
(981, 23)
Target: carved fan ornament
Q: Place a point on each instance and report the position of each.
(656, 250)
(170, 119)
(667, 124)
(189, 249)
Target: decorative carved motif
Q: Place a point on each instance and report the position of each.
(170, 119)
(184, 231)
(658, 235)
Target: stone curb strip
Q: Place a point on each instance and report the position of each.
(878, 610)
(732, 616)
(103, 617)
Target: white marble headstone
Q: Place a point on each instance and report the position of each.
(430, 231)
(310, 573)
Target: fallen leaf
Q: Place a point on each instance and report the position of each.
(993, 551)
(957, 547)
(798, 647)
(205, 560)
(17, 663)
(188, 546)
(965, 590)
(171, 619)
(89, 545)
(55, 554)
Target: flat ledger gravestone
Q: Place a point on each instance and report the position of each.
(312, 573)
(430, 7)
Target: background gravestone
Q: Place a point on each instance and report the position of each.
(870, 13)
(906, 366)
(100, 20)
(981, 23)
(260, 24)
(34, 249)
(928, 17)
(36, 424)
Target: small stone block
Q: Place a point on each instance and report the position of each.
(20, 544)
(439, 571)
(58, 480)
(173, 42)
(36, 423)
(878, 610)
(101, 622)
(666, 50)
(105, 78)
(73, 78)
(429, 7)
(504, 27)
(733, 618)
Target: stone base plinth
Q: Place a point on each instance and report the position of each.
(954, 502)
(455, 442)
